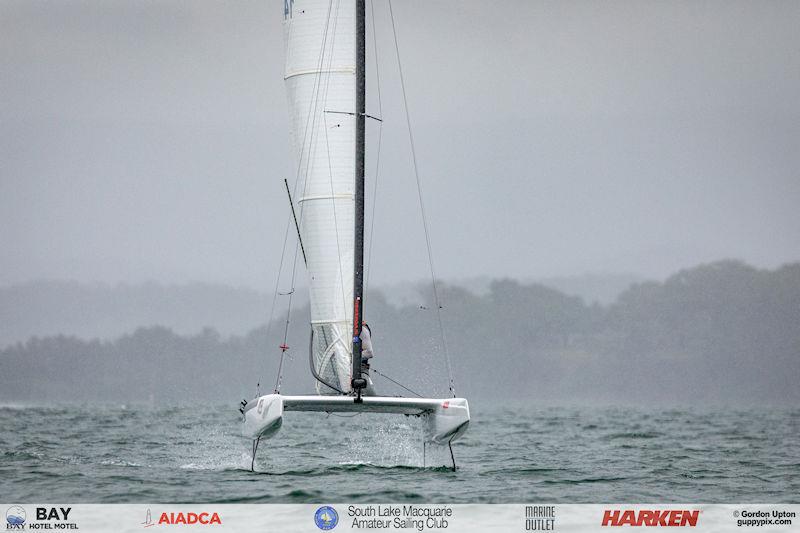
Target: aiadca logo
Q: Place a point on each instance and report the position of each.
(182, 518)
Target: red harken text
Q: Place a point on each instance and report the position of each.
(650, 518)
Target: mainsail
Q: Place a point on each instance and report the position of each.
(321, 88)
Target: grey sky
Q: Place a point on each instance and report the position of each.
(148, 140)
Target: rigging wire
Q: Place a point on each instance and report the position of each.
(272, 309)
(396, 382)
(344, 416)
(368, 269)
(284, 346)
(422, 207)
(330, 165)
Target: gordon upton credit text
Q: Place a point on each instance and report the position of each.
(400, 516)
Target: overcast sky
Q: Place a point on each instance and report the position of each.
(148, 140)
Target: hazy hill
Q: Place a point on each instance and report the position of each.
(723, 332)
(101, 311)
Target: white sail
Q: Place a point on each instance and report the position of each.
(320, 86)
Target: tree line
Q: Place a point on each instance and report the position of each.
(724, 332)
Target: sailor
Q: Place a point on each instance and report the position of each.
(366, 355)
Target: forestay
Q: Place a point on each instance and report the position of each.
(320, 86)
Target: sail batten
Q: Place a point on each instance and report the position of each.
(317, 72)
(319, 76)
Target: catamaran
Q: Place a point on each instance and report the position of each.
(325, 75)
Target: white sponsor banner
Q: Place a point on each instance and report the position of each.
(398, 517)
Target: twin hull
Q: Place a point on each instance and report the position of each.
(445, 419)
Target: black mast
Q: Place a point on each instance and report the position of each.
(358, 382)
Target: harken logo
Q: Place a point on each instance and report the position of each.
(666, 518)
(15, 518)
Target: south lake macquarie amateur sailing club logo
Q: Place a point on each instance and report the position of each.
(326, 518)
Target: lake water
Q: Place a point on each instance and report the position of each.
(509, 455)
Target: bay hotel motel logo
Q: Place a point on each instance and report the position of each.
(15, 518)
(46, 518)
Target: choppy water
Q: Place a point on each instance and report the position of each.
(509, 455)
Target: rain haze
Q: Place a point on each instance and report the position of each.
(613, 187)
(611, 191)
(149, 140)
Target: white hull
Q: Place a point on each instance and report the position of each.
(446, 419)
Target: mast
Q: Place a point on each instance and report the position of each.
(358, 382)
